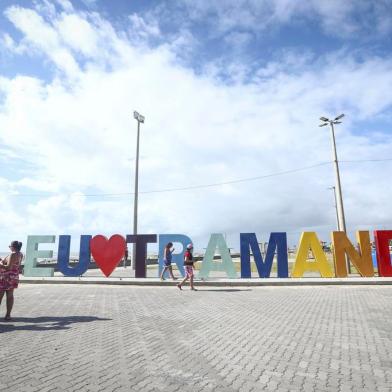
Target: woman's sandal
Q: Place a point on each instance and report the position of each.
(179, 286)
(7, 318)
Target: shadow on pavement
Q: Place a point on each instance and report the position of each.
(225, 290)
(45, 323)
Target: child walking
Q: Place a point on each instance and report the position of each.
(188, 264)
(167, 259)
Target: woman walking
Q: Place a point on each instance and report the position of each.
(188, 263)
(167, 259)
(9, 275)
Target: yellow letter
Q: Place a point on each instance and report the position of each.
(309, 241)
(362, 260)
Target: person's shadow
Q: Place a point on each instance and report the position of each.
(45, 323)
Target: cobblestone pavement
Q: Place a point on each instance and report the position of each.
(95, 338)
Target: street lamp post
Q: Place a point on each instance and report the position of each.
(338, 188)
(140, 119)
(339, 197)
(335, 205)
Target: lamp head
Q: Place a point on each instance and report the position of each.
(137, 116)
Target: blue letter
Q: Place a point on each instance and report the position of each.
(277, 241)
(63, 255)
(178, 258)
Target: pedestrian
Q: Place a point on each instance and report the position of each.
(167, 259)
(9, 275)
(188, 264)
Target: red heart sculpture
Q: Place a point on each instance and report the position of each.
(107, 253)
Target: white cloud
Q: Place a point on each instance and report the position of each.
(8, 42)
(42, 37)
(78, 34)
(77, 133)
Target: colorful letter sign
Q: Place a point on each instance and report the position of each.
(108, 252)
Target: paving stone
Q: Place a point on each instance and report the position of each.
(126, 338)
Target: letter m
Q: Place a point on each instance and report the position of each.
(277, 244)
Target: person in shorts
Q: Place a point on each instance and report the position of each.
(188, 264)
(167, 259)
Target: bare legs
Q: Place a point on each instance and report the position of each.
(10, 302)
(190, 282)
(1, 295)
(165, 268)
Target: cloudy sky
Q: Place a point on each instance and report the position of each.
(231, 90)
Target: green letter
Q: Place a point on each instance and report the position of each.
(217, 242)
(32, 254)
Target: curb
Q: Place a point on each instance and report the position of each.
(354, 281)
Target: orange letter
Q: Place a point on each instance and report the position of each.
(361, 259)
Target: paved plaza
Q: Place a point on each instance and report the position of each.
(125, 338)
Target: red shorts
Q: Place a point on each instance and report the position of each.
(189, 271)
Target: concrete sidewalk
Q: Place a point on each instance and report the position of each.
(310, 281)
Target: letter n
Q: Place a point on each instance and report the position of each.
(362, 259)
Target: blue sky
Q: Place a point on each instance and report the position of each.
(252, 43)
(230, 90)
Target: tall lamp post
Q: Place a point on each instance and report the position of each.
(140, 119)
(338, 189)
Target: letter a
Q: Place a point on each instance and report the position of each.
(208, 264)
(309, 241)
